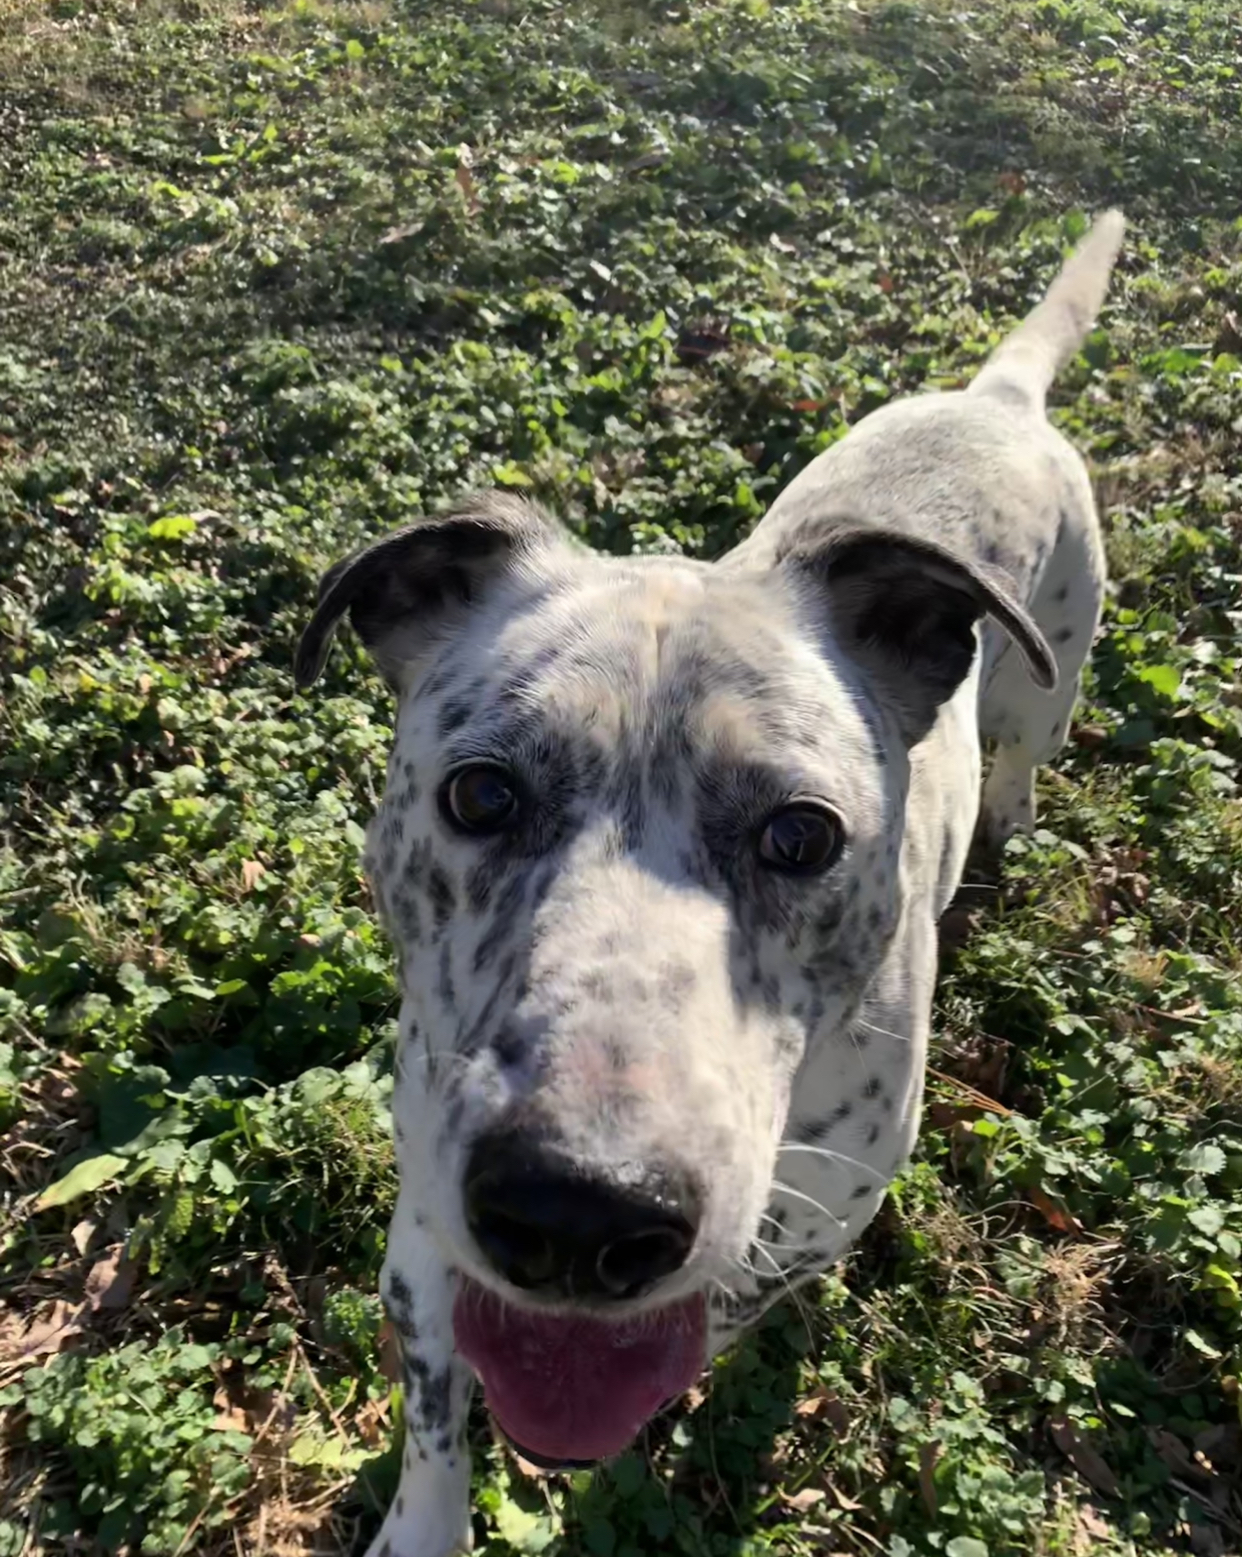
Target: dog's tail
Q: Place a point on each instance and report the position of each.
(1026, 362)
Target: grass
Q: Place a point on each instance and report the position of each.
(274, 276)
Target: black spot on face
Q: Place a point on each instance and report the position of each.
(501, 928)
(674, 982)
(1062, 594)
(860, 1191)
(873, 1134)
(1063, 635)
(445, 987)
(872, 1087)
(443, 899)
(452, 716)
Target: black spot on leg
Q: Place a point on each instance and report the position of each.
(1062, 594)
(399, 1300)
(1063, 635)
(860, 1191)
(872, 1087)
(400, 1505)
(873, 1134)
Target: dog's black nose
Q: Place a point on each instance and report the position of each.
(548, 1225)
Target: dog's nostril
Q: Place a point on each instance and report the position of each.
(629, 1265)
(524, 1253)
(543, 1221)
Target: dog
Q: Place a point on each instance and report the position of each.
(662, 850)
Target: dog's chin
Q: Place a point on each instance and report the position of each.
(571, 1388)
(542, 1461)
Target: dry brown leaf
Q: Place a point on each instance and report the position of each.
(1091, 1530)
(251, 872)
(1221, 1446)
(1085, 1459)
(929, 1454)
(823, 1405)
(800, 1502)
(371, 1421)
(465, 178)
(229, 1418)
(83, 1233)
(1054, 1211)
(111, 1280)
(390, 1352)
(47, 1335)
(1174, 1453)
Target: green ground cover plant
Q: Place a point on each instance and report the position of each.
(276, 276)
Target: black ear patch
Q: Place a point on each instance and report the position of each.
(906, 609)
(399, 588)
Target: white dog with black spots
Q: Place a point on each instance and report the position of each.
(662, 851)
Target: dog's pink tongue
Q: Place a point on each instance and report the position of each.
(574, 1387)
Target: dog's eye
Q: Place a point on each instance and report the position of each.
(481, 798)
(802, 838)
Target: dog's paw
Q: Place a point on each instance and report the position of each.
(407, 1537)
(431, 1519)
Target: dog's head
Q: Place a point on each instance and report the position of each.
(639, 851)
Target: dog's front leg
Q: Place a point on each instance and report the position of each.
(430, 1514)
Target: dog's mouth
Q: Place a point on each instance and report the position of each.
(569, 1389)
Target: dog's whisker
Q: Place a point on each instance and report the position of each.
(797, 1194)
(833, 1156)
(880, 1032)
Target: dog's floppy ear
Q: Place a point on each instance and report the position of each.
(905, 609)
(397, 589)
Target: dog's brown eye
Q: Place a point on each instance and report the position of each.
(480, 799)
(802, 838)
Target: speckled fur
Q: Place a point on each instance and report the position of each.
(621, 967)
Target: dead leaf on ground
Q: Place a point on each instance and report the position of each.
(1085, 1459)
(465, 178)
(1220, 1446)
(371, 1422)
(1175, 1453)
(252, 871)
(929, 1455)
(230, 1417)
(1092, 1528)
(1054, 1211)
(47, 1334)
(111, 1280)
(824, 1405)
(390, 1352)
(801, 1501)
(83, 1233)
